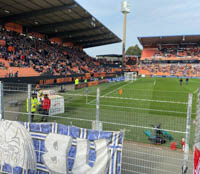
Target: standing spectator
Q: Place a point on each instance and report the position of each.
(37, 87)
(187, 80)
(46, 106)
(86, 82)
(181, 81)
(16, 74)
(10, 74)
(34, 104)
(76, 83)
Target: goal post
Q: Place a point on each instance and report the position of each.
(130, 76)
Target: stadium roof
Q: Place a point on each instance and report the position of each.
(65, 19)
(170, 40)
(110, 55)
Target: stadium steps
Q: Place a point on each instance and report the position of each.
(5, 62)
(24, 72)
(148, 53)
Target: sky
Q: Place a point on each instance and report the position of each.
(147, 18)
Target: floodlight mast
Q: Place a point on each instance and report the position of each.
(125, 9)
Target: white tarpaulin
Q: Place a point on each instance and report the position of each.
(57, 105)
(44, 148)
(57, 101)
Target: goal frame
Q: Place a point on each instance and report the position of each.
(130, 76)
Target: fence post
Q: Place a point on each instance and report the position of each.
(97, 125)
(98, 105)
(29, 102)
(197, 121)
(86, 95)
(187, 136)
(197, 132)
(1, 101)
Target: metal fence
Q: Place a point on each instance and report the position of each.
(144, 118)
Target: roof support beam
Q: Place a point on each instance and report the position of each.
(49, 27)
(95, 41)
(99, 44)
(72, 32)
(36, 13)
(79, 38)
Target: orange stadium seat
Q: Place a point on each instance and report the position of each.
(148, 53)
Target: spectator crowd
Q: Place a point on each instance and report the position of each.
(186, 51)
(172, 60)
(191, 70)
(48, 58)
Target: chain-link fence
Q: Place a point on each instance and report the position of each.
(154, 122)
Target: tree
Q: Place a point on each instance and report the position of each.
(134, 50)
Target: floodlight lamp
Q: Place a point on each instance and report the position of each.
(7, 11)
(125, 8)
(93, 24)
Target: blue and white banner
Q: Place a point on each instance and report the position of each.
(51, 148)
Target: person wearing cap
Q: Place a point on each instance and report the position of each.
(34, 104)
(46, 106)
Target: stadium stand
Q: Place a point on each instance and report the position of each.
(115, 61)
(31, 56)
(38, 47)
(54, 47)
(170, 56)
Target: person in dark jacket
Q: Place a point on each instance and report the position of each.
(181, 81)
(46, 106)
(187, 80)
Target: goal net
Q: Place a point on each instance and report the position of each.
(130, 76)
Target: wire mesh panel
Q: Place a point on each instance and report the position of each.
(150, 159)
(15, 96)
(151, 112)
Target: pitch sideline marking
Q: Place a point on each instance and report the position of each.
(155, 83)
(141, 99)
(116, 89)
(120, 87)
(109, 92)
(196, 91)
(146, 109)
(127, 98)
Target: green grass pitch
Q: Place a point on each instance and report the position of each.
(144, 102)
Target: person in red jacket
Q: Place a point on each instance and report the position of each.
(46, 106)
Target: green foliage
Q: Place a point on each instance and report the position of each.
(134, 50)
